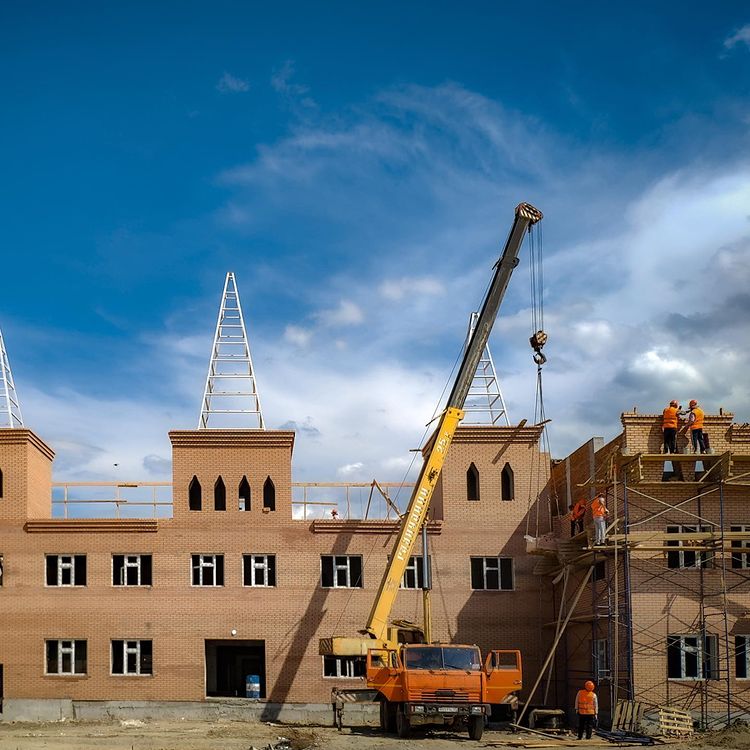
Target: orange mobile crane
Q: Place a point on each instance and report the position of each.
(420, 683)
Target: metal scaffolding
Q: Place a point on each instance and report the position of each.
(230, 398)
(484, 403)
(10, 408)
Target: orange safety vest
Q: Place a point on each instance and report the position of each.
(598, 508)
(669, 417)
(698, 422)
(586, 702)
(579, 510)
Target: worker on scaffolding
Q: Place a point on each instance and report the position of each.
(576, 515)
(599, 513)
(695, 427)
(669, 420)
(587, 708)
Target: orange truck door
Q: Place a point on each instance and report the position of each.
(503, 674)
(384, 673)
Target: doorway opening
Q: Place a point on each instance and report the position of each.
(233, 667)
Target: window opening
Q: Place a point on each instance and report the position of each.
(208, 570)
(259, 570)
(66, 570)
(194, 494)
(244, 494)
(691, 657)
(492, 573)
(132, 657)
(507, 484)
(741, 559)
(344, 666)
(742, 656)
(341, 571)
(269, 494)
(472, 483)
(131, 570)
(66, 657)
(220, 495)
(687, 558)
(413, 577)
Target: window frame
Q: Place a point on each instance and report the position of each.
(499, 569)
(340, 567)
(415, 569)
(740, 548)
(705, 651)
(703, 558)
(745, 655)
(269, 571)
(129, 564)
(70, 651)
(74, 566)
(127, 650)
(204, 563)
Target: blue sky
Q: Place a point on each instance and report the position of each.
(356, 165)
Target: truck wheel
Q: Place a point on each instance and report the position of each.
(403, 725)
(476, 727)
(387, 718)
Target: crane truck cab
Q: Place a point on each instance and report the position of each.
(441, 684)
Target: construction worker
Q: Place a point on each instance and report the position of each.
(587, 708)
(695, 426)
(599, 512)
(577, 512)
(670, 417)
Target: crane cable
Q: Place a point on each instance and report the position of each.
(537, 340)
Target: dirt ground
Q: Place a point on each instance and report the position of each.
(237, 735)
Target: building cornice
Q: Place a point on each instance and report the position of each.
(21, 436)
(92, 526)
(248, 438)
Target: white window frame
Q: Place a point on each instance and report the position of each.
(600, 651)
(127, 649)
(413, 568)
(204, 562)
(258, 562)
(740, 547)
(486, 567)
(129, 561)
(747, 656)
(344, 568)
(62, 650)
(701, 654)
(344, 667)
(703, 558)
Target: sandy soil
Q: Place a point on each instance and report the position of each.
(235, 735)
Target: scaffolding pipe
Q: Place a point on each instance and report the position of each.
(628, 603)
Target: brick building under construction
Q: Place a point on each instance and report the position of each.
(142, 615)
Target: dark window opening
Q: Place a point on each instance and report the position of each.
(220, 495)
(236, 669)
(131, 570)
(259, 570)
(600, 571)
(269, 494)
(132, 657)
(194, 494)
(66, 570)
(244, 494)
(692, 657)
(1, 482)
(472, 483)
(742, 656)
(344, 666)
(341, 571)
(507, 484)
(492, 573)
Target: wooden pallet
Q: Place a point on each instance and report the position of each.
(675, 721)
(627, 716)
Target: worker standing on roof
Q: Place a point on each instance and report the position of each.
(577, 512)
(669, 419)
(695, 425)
(599, 512)
(587, 708)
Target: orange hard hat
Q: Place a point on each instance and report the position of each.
(588, 685)
(693, 402)
(674, 402)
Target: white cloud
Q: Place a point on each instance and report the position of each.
(741, 36)
(347, 313)
(348, 470)
(397, 289)
(297, 335)
(229, 84)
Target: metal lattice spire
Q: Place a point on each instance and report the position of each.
(484, 404)
(231, 397)
(10, 409)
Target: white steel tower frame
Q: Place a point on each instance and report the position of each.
(231, 390)
(484, 403)
(10, 408)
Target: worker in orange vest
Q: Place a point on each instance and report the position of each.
(599, 512)
(695, 426)
(577, 512)
(670, 417)
(587, 708)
